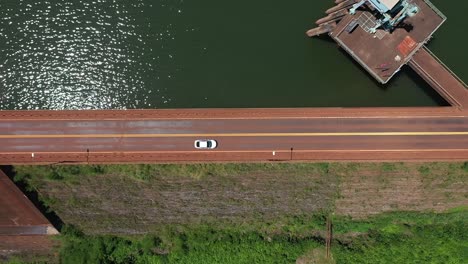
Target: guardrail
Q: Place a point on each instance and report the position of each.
(445, 66)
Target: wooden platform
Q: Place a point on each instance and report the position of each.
(383, 54)
(446, 83)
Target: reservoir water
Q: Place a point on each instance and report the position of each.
(127, 54)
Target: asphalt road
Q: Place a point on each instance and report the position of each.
(34, 141)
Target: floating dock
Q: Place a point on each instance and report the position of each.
(383, 36)
(384, 50)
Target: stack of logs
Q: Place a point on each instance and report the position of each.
(334, 15)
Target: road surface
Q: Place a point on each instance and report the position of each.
(240, 138)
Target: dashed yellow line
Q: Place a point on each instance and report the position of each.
(216, 135)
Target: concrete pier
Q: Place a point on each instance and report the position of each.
(444, 81)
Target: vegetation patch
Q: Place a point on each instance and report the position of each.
(135, 199)
(200, 245)
(375, 188)
(405, 238)
(399, 237)
(257, 213)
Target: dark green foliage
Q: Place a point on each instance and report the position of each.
(71, 231)
(325, 167)
(67, 173)
(424, 170)
(55, 175)
(103, 249)
(72, 173)
(465, 166)
(390, 238)
(388, 167)
(406, 238)
(203, 245)
(20, 260)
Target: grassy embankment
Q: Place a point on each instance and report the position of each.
(389, 238)
(281, 226)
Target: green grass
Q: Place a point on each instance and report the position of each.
(400, 237)
(201, 245)
(346, 225)
(388, 167)
(424, 170)
(406, 238)
(465, 167)
(421, 244)
(458, 209)
(20, 260)
(144, 172)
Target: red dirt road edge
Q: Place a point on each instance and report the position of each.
(234, 157)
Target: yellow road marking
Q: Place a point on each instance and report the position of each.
(216, 135)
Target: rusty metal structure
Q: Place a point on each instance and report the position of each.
(22, 226)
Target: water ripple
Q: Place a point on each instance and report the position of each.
(77, 55)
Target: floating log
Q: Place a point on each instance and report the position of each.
(322, 29)
(333, 16)
(339, 1)
(340, 6)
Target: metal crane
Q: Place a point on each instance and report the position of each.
(391, 12)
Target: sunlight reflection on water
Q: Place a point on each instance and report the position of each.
(75, 55)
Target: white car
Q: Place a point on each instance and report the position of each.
(205, 144)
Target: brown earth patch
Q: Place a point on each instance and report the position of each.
(315, 256)
(261, 195)
(123, 205)
(377, 188)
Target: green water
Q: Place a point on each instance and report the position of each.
(103, 54)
